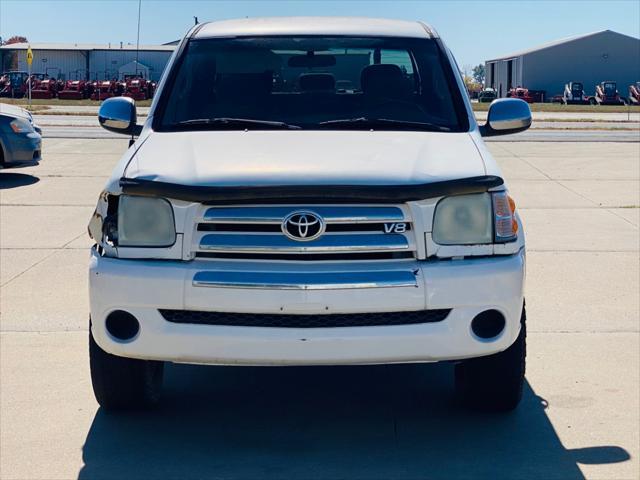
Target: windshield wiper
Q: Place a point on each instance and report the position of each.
(235, 122)
(384, 122)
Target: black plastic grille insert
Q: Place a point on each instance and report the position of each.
(304, 321)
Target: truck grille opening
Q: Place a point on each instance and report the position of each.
(349, 232)
(377, 319)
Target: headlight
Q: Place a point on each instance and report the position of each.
(20, 125)
(145, 222)
(463, 220)
(475, 219)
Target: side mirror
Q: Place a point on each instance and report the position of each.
(506, 115)
(119, 115)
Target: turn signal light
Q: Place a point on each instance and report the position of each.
(505, 223)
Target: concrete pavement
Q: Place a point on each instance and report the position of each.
(74, 126)
(594, 113)
(92, 121)
(579, 418)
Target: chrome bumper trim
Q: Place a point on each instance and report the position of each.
(305, 280)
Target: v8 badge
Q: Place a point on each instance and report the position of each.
(395, 227)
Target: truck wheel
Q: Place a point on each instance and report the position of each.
(121, 383)
(494, 383)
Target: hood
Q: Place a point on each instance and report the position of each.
(262, 158)
(14, 111)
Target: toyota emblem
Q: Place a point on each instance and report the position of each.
(303, 226)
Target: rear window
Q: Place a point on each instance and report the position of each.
(312, 83)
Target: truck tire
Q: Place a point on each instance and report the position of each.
(494, 383)
(121, 383)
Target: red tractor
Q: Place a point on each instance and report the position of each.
(42, 86)
(104, 89)
(607, 94)
(46, 88)
(521, 93)
(634, 94)
(137, 87)
(73, 90)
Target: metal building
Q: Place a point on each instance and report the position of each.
(590, 59)
(84, 61)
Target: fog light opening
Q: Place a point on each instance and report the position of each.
(488, 324)
(122, 325)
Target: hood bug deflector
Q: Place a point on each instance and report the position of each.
(309, 193)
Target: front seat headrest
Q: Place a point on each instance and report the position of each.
(384, 80)
(317, 82)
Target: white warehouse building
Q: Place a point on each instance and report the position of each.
(86, 61)
(590, 59)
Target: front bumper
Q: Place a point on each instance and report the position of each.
(23, 147)
(467, 287)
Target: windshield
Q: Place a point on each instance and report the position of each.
(312, 83)
(609, 88)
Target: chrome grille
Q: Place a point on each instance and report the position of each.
(330, 214)
(354, 231)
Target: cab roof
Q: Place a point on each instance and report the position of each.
(349, 26)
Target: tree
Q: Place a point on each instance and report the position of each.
(473, 88)
(478, 73)
(16, 39)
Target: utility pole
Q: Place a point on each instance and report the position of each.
(138, 39)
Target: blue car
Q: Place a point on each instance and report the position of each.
(20, 138)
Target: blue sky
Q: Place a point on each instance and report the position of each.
(475, 30)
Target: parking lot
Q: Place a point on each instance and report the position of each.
(579, 417)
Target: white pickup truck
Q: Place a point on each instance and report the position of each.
(308, 191)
